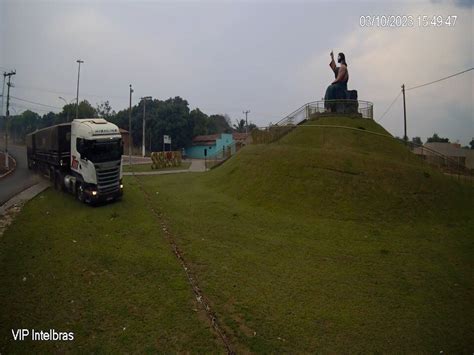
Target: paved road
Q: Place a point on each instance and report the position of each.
(20, 179)
(23, 178)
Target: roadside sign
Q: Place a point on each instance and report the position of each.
(166, 140)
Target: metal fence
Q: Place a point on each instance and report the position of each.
(221, 156)
(357, 108)
(448, 165)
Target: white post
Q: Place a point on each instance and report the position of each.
(143, 134)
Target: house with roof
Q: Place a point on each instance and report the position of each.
(216, 145)
(241, 139)
(445, 150)
(210, 145)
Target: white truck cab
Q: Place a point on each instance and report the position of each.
(96, 159)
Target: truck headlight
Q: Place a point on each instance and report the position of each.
(121, 186)
(94, 193)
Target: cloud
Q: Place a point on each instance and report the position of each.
(460, 3)
(227, 57)
(381, 59)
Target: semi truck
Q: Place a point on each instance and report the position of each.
(83, 157)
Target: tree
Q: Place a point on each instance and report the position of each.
(104, 110)
(47, 120)
(85, 110)
(228, 121)
(251, 126)
(239, 126)
(163, 117)
(437, 139)
(198, 122)
(220, 123)
(69, 112)
(471, 143)
(23, 124)
(417, 141)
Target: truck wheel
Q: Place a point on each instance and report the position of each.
(58, 181)
(54, 177)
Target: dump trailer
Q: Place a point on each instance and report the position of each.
(83, 157)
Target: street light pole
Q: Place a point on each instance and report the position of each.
(130, 128)
(77, 92)
(143, 126)
(67, 112)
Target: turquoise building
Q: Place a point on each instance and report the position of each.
(215, 145)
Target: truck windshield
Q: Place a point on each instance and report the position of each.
(99, 151)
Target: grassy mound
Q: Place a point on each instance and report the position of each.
(343, 173)
(328, 240)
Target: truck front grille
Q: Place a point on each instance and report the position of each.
(108, 179)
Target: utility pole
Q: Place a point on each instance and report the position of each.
(130, 128)
(3, 94)
(143, 134)
(150, 140)
(405, 137)
(77, 92)
(246, 122)
(9, 84)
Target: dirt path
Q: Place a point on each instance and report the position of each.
(198, 293)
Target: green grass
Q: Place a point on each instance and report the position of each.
(105, 273)
(328, 240)
(147, 167)
(211, 164)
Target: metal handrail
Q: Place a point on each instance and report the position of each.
(453, 162)
(364, 108)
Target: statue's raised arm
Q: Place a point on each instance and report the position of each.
(338, 88)
(333, 64)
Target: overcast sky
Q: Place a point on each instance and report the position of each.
(269, 57)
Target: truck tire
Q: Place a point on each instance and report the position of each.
(51, 175)
(58, 181)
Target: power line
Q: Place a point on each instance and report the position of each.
(390, 106)
(53, 91)
(447, 77)
(36, 103)
(30, 108)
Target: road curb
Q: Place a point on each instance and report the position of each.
(24, 196)
(11, 170)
